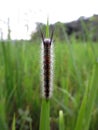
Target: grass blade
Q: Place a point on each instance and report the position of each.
(92, 96)
(84, 117)
(80, 118)
(13, 123)
(44, 118)
(61, 120)
(3, 120)
(47, 29)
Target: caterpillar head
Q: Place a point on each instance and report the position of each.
(47, 41)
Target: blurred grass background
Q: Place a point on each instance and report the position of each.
(20, 84)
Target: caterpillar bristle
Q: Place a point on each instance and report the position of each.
(47, 67)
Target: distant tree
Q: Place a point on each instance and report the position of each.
(82, 29)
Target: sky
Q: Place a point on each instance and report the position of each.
(24, 14)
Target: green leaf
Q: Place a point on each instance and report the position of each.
(61, 120)
(44, 117)
(13, 123)
(47, 28)
(84, 116)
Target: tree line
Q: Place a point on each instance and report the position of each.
(80, 29)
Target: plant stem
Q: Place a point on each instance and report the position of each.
(45, 114)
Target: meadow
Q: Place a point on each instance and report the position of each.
(75, 85)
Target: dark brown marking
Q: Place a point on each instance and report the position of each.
(47, 45)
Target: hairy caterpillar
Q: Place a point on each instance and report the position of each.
(47, 66)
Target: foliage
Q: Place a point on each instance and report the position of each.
(82, 29)
(75, 85)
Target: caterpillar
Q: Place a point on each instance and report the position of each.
(47, 66)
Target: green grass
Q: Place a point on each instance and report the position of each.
(75, 86)
(61, 120)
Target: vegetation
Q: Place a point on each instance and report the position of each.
(74, 102)
(75, 86)
(82, 29)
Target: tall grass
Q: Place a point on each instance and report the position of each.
(16, 78)
(75, 86)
